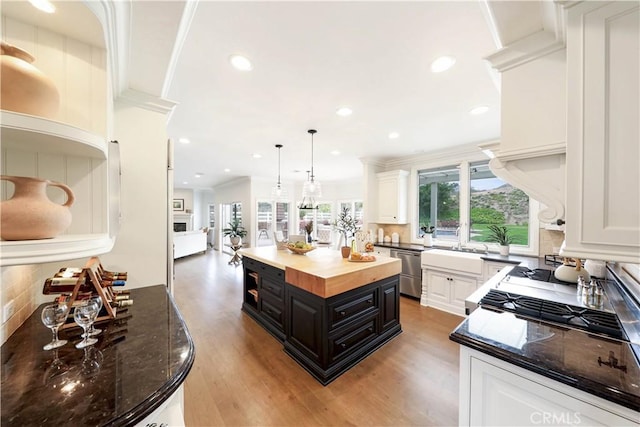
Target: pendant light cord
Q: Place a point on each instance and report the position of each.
(312, 131)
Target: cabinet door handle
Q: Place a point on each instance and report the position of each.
(370, 301)
(343, 345)
(370, 329)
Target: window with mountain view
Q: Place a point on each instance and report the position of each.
(490, 201)
(493, 201)
(439, 201)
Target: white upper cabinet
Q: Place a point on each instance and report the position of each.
(71, 148)
(392, 197)
(603, 138)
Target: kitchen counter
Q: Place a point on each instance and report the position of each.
(323, 272)
(329, 313)
(138, 365)
(572, 357)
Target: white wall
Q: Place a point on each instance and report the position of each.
(141, 246)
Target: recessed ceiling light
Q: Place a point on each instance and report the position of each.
(335, 152)
(227, 170)
(394, 135)
(185, 182)
(240, 62)
(184, 140)
(43, 5)
(480, 109)
(256, 155)
(199, 174)
(442, 64)
(344, 111)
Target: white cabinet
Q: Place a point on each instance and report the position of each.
(603, 178)
(392, 197)
(379, 250)
(33, 146)
(497, 393)
(491, 268)
(447, 291)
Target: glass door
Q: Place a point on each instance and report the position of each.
(272, 218)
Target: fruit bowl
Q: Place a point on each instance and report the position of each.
(300, 251)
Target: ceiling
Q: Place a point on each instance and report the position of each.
(309, 59)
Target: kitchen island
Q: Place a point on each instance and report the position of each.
(329, 312)
(132, 376)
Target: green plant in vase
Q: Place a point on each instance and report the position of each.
(346, 225)
(501, 235)
(235, 231)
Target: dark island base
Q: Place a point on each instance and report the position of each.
(326, 336)
(326, 376)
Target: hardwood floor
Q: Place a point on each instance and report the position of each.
(242, 377)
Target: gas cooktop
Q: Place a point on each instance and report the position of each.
(585, 318)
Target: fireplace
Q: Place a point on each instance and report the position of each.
(179, 226)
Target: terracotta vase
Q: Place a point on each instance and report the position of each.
(29, 214)
(346, 251)
(25, 89)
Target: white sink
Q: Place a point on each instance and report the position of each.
(452, 260)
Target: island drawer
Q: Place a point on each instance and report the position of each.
(345, 310)
(273, 287)
(262, 268)
(353, 337)
(273, 312)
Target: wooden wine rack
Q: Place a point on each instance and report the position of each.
(92, 273)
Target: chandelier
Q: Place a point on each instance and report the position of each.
(311, 190)
(278, 193)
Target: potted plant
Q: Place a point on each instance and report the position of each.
(501, 235)
(235, 231)
(345, 224)
(428, 231)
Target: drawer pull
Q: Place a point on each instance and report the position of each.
(342, 313)
(370, 329)
(370, 301)
(343, 345)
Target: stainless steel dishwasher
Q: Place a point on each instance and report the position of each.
(411, 275)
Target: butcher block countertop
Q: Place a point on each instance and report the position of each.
(324, 272)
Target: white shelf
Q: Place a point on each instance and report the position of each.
(57, 249)
(33, 133)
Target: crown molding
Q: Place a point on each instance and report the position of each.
(525, 50)
(147, 101)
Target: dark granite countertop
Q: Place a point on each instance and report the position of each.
(140, 360)
(406, 246)
(528, 261)
(566, 355)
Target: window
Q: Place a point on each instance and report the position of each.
(493, 201)
(461, 201)
(439, 201)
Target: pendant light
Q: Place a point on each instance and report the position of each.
(277, 192)
(312, 189)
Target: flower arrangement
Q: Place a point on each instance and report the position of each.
(308, 227)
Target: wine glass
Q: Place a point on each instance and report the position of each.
(93, 331)
(53, 316)
(85, 315)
